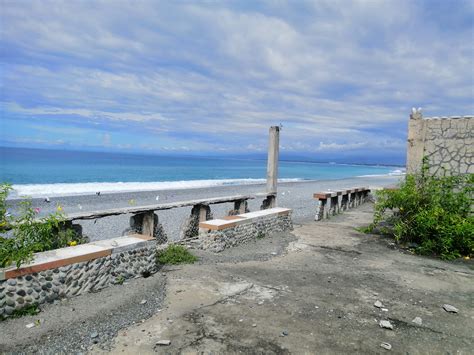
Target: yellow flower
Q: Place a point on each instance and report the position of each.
(59, 208)
(72, 243)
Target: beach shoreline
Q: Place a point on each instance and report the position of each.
(295, 195)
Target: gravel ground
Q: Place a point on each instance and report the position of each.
(296, 195)
(74, 325)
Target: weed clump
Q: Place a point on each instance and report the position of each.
(431, 213)
(175, 254)
(29, 310)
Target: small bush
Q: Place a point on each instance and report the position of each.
(433, 213)
(175, 254)
(30, 234)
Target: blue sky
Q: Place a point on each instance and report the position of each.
(189, 77)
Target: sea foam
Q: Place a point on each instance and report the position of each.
(90, 188)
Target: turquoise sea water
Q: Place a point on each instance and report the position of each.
(38, 172)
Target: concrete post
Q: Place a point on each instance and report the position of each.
(148, 225)
(272, 163)
(415, 142)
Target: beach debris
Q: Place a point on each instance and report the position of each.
(164, 342)
(284, 333)
(94, 335)
(241, 320)
(378, 304)
(30, 325)
(386, 346)
(417, 321)
(274, 253)
(384, 309)
(157, 198)
(386, 324)
(254, 325)
(143, 301)
(98, 193)
(450, 309)
(47, 200)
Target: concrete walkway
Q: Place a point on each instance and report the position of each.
(316, 297)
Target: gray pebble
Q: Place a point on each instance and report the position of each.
(450, 309)
(386, 324)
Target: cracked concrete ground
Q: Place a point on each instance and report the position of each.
(310, 291)
(316, 297)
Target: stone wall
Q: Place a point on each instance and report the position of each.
(447, 142)
(218, 240)
(76, 279)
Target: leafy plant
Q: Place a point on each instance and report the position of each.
(4, 218)
(175, 254)
(28, 310)
(30, 234)
(433, 213)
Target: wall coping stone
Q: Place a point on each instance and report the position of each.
(52, 259)
(244, 218)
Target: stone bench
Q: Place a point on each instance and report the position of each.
(75, 270)
(219, 234)
(334, 202)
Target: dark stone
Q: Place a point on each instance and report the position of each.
(21, 293)
(28, 277)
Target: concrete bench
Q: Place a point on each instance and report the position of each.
(334, 202)
(222, 233)
(75, 270)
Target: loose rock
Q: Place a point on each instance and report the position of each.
(386, 324)
(417, 321)
(163, 342)
(94, 335)
(142, 301)
(378, 304)
(386, 346)
(450, 309)
(30, 325)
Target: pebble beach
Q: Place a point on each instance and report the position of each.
(294, 195)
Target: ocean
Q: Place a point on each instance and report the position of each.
(39, 172)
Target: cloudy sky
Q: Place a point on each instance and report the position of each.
(189, 77)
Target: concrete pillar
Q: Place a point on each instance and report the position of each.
(415, 142)
(148, 225)
(240, 206)
(272, 163)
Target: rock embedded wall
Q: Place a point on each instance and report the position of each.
(447, 142)
(76, 279)
(218, 240)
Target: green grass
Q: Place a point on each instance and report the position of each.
(29, 310)
(175, 254)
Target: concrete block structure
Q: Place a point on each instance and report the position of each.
(446, 142)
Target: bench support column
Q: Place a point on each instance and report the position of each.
(240, 206)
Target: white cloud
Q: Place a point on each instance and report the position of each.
(330, 71)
